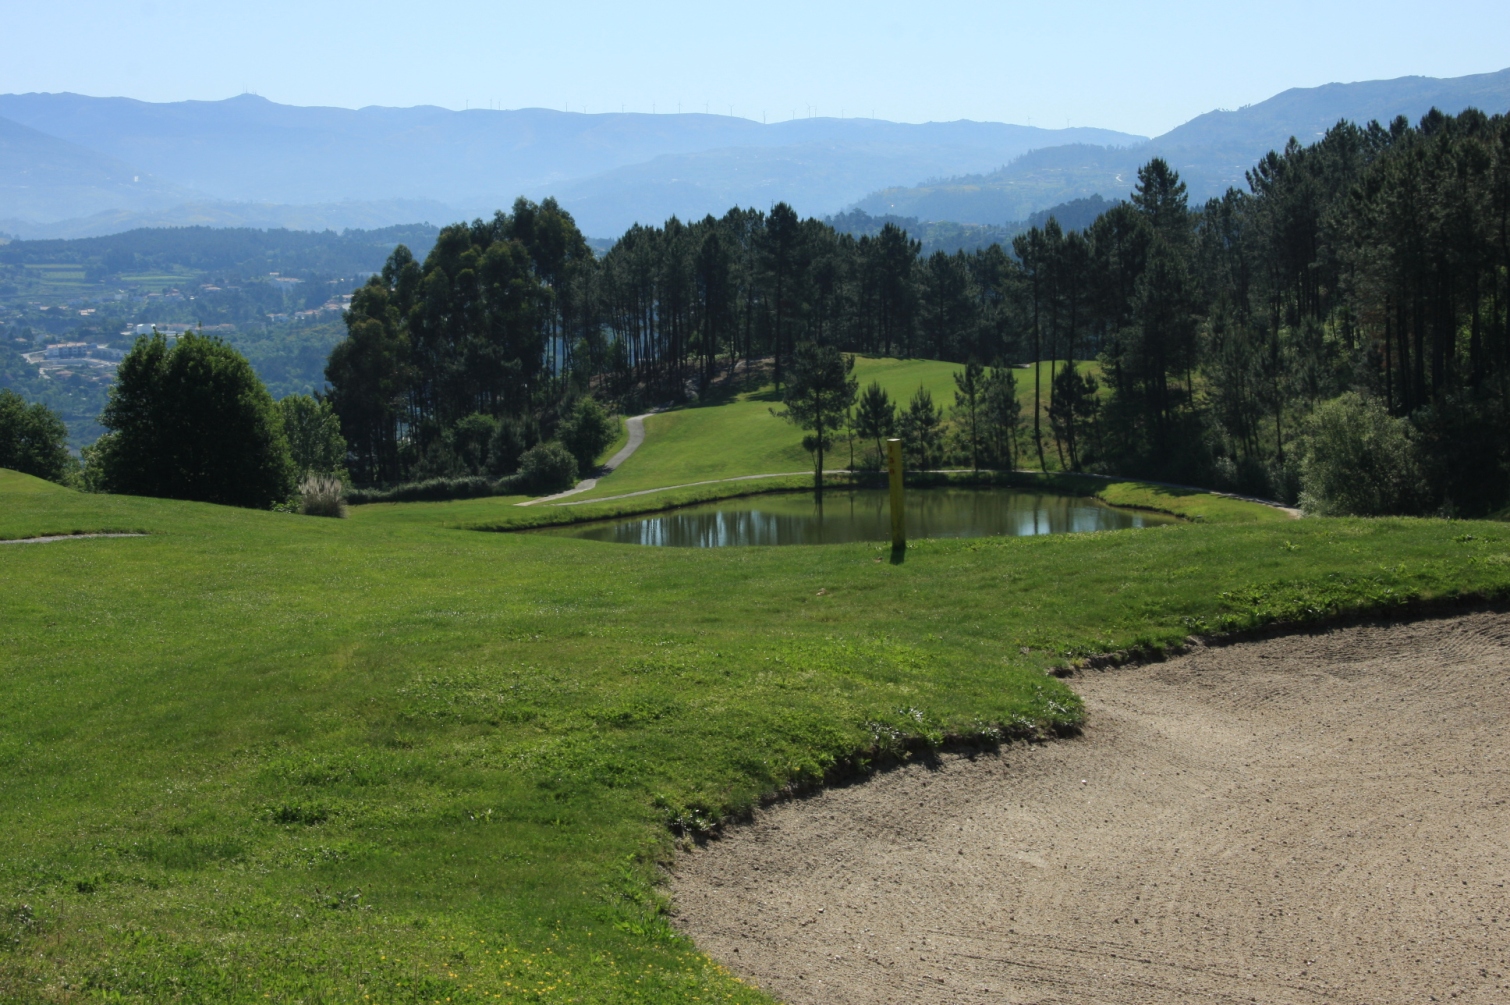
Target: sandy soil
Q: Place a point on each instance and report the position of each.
(1317, 818)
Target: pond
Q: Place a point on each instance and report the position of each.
(863, 515)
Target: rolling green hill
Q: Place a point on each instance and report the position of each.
(735, 432)
(258, 757)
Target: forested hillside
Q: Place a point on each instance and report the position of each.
(1337, 328)
(1212, 152)
(229, 252)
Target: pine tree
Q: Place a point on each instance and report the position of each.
(818, 394)
(876, 417)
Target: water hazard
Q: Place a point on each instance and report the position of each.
(793, 518)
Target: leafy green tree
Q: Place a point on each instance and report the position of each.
(1359, 460)
(876, 417)
(922, 430)
(586, 433)
(33, 439)
(510, 440)
(194, 422)
(313, 431)
(969, 394)
(469, 439)
(818, 393)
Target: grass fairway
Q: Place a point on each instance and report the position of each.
(261, 757)
(735, 433)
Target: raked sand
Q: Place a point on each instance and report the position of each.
(1316, 818)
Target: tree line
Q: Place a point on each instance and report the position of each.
(1337, 332)
(1353, 294)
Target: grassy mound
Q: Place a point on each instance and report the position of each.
(265, 757)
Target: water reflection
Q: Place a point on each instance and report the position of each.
(793, 518)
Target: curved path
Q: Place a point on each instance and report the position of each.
(1317, 818)
(48, 539)
(636, 427)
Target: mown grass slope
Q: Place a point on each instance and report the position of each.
(261, 757)
(734, 430)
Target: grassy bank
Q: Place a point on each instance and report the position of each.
(263, 757)
(733, 430)
(501, 513)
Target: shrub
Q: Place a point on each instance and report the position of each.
(320, 495)
(33, 439)
(508, 444)
(1358, 461)
(546, 468)
(586, 433)
(430, 490)
(469, 440)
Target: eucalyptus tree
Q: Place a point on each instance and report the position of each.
(369, 372)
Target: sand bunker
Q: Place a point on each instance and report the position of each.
(1318, 818)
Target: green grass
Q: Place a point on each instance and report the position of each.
(1191, 504)
(261, 757)
(735, 433)
(620, 438)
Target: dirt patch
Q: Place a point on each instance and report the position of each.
(1318, 818)
(50, 538)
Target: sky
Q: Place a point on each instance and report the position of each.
(1139, 67)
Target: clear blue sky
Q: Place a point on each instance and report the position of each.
(1141, 67)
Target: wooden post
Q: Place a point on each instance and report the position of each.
(898, 514)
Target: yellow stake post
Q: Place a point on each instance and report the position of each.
(898, 515)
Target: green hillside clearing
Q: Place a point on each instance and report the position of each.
(259, 757)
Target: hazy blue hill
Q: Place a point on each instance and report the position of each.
(950, 237)
(264, 216)
(1036, 179)
(42, 176)
(237, 252)
(619, 167)
(1211, 151)
(828, 159)
(249, 148)
(1308, 112)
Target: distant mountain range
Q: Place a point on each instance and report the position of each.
(248, 161)
(77, 166)
(1211, 151)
